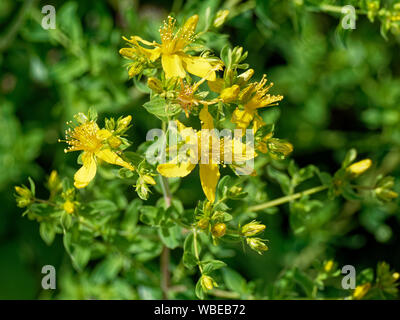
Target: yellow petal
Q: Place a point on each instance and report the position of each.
(87, 172)
(148, 43)
(209, 176)
(190, 25)
(230, 94)
(206, 118)
(173, 169)
(217, 85)
(111, 157)
(242, 118)
(103, 134)
(199, 66)
(172, 65)
(151, 54)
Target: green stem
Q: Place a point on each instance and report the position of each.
(335, 9)
(196, 251)
(166, 191)
(165, 254)
(285, 199)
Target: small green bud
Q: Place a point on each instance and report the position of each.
(220, 18)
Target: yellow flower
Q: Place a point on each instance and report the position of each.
(172, 50)
(87, 137)
(253, 97)
(361, 290)
(208, 157)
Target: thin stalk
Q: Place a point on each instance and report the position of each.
(165, 254)
(279, 201)
(196, 251)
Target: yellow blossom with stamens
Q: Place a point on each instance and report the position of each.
(253, 97)
(172, 50)
(209, 157)
(187, 95)
(90, 139)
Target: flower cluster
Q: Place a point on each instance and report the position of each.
(221, 93)
(210, 110)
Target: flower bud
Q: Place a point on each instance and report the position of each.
(328, 266)
(23, 192)
(190, 24)
(385, 194)
(218, 230)
(230, 94)
(359, 167)
(81, 118)
(114, 142)
(207, 283)
(279, 148)
(257, 244)
(235, 191)
(252, 228)
(245, 76)
(155, 84)
(396, 276)
(220, 18)
(69, 206)
(148, 179)
(361, 290)
(203, 223)
(124, 123)
(54, 181)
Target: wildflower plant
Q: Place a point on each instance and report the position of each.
(124, 207)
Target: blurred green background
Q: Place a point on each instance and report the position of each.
(341, 89)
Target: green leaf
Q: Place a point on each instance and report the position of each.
(170, 236)
(32, 186)
(102, 206)
(162, 109)
(281, 178)
(304, 281)
(149, 215)
(81, 257)
(108, 269)
(199, 290)
(47, 232)
(351, 155)
(189, 257)
(233, 280)
(212, 265)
